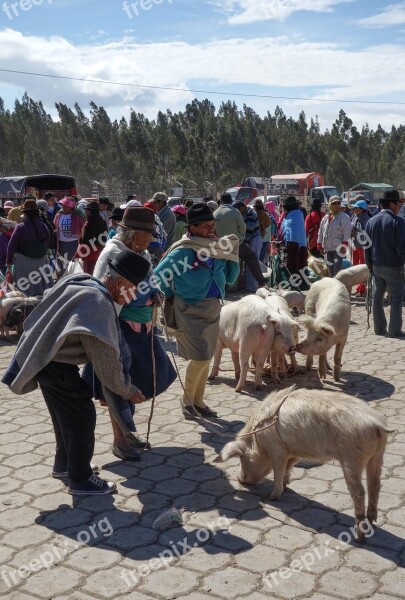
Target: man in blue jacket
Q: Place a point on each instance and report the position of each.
(385, 259)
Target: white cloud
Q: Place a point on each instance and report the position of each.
(252, 11)
(297, 68)
(392, 15)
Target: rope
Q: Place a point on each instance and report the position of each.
(152, 408)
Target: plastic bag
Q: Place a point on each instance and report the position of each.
(169, 517)
(74, 267)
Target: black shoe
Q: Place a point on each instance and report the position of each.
(206, 412)
(189, 413)
(130, 454)
(399, 336)
(93, 486)
(61, 472)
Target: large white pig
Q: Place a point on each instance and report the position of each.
(327, 319)
(295, 424)
(248, 327)
(353, 276)
(295, 299)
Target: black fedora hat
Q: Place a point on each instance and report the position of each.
(199, 213)
(140, 218)
(290, 201)
(130, 265)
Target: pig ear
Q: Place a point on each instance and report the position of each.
(305, 320)
(327, 330)
(271, 318)
(232, 449)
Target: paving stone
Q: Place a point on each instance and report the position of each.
(261, 559)
(25, 536)
(9, 519)
(287, 583)
(58, 579)
(170, 582)
(286, 537)
(205, 559)
(348, 583)
(89, 559)
(230, 583)
(393, 583)
(131, 537)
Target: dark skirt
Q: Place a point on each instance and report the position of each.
(141, 370)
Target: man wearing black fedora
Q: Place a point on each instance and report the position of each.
(64, 331)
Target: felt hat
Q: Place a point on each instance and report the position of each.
(130, 265)
(42, 204)
(29, 205)
(139, 218)
(93, 205)
(117, 213)
(199, 213)
(392, 196)
(290, 202)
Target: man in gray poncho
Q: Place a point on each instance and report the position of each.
(77, 323)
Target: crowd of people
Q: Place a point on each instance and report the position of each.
(134, 257)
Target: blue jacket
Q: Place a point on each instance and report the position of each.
(180, 274)
(387, 233)
(293, 227)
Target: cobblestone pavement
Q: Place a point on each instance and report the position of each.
(54, 546)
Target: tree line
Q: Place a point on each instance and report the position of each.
(206, 149)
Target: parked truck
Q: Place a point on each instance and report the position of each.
(306, 186)
(14, 188)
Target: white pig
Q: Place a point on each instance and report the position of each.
(248, 327)
(278, 305)
(295, 299)
(313, 425)
(353, 276)
(328, 310)
(6, 304)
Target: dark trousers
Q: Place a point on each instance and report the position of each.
(252, 262)
(69, 401)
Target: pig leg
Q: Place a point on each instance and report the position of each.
(279, 469)
(287, 474)
(373, 470)
(260, 360)
(274, 368)
(338, 360)
(236, 365)
(353, 481)
(322, 366)
(217, 359)
(244, 356)
(309, 362)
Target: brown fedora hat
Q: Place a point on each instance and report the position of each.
(139, 218)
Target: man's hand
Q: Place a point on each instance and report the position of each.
(157, 299)
(138, 397)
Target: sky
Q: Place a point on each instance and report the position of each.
(292, 53)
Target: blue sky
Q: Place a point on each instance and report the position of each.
(309, 49)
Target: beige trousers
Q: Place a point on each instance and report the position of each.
(195, 382)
